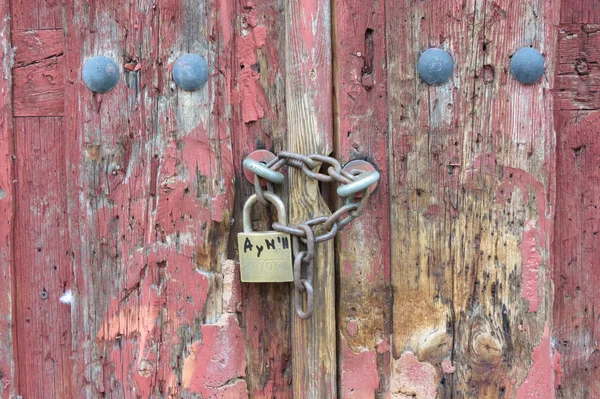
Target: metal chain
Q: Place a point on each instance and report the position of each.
(354, 191)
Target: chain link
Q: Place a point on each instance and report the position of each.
(303, 234)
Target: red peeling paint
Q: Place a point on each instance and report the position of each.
(260, 36)
(219, 358)
(447, 367)
(531, 260)
(413, 379)
(359, 376)
(519, 180)
(539, 380)
(383, 346)
(252, 96)
(352, 328)
(557, 369)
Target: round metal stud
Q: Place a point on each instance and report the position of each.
(262, 157)
(527, 65)
(369, 178)
(100, 74)
(190, 72)
(435, 66)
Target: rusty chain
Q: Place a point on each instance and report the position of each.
(354, 190)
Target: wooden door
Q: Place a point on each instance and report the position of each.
(473, 272)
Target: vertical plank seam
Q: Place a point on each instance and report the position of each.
(332, 200)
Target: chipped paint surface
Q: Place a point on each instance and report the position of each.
(531, 261)
(540, 378)
(359, 378)
(216, 361)
(413, 379)
(252, 96)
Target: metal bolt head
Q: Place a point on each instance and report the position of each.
(44, 294)
(435, 66)
(264, 156)
(190, 72)
(100, 74)
(527, 65)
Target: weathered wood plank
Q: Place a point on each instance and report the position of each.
(31, 46)
(310, 130)
(43, 266)
(152, 192)
(427, 127)
(8, 379)
(39, 88)
(577, 67)
(364, 303)
(576, 252)
(472, 165)
(36, 14)
(259, 120)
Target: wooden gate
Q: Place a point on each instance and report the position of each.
(473, 272)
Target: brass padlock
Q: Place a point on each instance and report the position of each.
(265, 256)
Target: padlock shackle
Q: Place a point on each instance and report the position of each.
(253, 199)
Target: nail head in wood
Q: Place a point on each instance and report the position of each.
(100, 74)
(190, 72)
(435, 66)
(527, 65)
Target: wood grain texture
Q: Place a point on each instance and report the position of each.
(259, 121)
(577, 261)
(39, 88)
(575, 250)
(577, 69)
(36, 14)
(43, 265)
(38, 74)
(8, 379)
(151, 193)
(363, 249)
(310, 130)
(472, 194)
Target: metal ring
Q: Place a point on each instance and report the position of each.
(362, 182)
(337, 214)
(298, 271)
(259, 191)
(339, 176)
(298, 157)
(308, 233)
(253, 199)
(329, 235)
(309, 301)
(316, 175)
(261, 169)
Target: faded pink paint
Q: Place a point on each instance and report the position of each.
(215, 361)
(523, 182)
(413, 379)
(359, 376)
(447, 367)
(307, 15)
(531, 261)
(383, 346)
(539, 382)
(252, 96)
(352, 328)
(557, 369)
